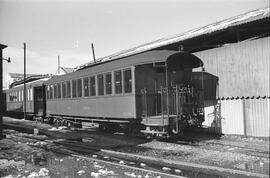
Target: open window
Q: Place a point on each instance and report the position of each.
(108, 83)
(92, 86)
(127, 81)
(68, 89)
(64, 89)
(100, 84)
(79, 87)
(55, 91)
(118, 81)
(58, 90)
(74, 88)
(86, 86)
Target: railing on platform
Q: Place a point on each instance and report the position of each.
(178, 100)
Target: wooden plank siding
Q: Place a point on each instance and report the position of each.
(242, 68)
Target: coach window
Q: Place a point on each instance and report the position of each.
(118, 81)
(29, 98)
(58, 90)
(64, 89)
(27, 95)
(92, 86)
(55, 91)
(74, 89)
(108, 83)
(47, 92)
(100, 84)
(86, 86)
(22, 95)
(31, 94)
(51, 91)
(127, 81)
(11, 97)
(68, 89)
(79, 86)
(19, 95)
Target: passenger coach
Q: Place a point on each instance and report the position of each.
(153, 88)
(35, 99)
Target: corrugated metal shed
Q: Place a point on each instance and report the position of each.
(243, 69)
(208, 29)
(257, 117)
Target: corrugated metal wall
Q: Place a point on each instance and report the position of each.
(257, 117)
(243, 68)
(243, 71)
(248, 117)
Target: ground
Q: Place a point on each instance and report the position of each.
(27, 154)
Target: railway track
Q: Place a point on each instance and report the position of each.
(230, 147)
(79, 149)
(94, 154)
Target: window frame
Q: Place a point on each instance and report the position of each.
(93, 87)
(102, 85)
(86, 86)
(64, 89)
(124, 80)
(121, 82)
(74, 92)
(106, 89)
(68, 89)
(59, 91)
(79, 88)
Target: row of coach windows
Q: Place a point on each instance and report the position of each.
(16, 96)
(100, 85)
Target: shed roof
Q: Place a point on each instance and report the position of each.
(28, 79)
(164, 43)
(67, 69)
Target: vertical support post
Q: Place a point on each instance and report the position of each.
(202, 76)
(162, 106)
(24, 76)
(244, 118)
(167, 92)
(58, 69)
(146, 107)
(177, 107)
(1, 90)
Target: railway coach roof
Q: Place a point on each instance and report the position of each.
(181, 59)
(253, 23)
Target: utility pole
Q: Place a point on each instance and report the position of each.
(1, 90)
(93, 51)
(24, 76)
(58, 70)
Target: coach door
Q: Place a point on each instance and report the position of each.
(39, 100)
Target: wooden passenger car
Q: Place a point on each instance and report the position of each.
(111, 91)
(35, 99)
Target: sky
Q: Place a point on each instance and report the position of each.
(68, 27)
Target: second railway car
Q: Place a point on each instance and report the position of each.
(151, 88)
(35, 99)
